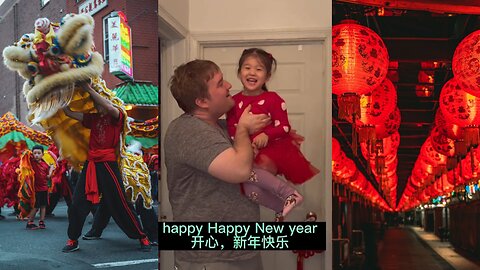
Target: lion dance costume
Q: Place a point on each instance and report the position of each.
(52, 60)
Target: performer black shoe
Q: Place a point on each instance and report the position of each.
(90, 235)
(72, 245)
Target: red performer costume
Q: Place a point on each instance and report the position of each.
(283, 150)
(101, 175)
(9, 176)
(60, 186)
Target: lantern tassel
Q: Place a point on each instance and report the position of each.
(451, 162)
(454, 178)
(471, 136)
(379, 164)
(472, 162)
(460, 148)
(436, 171)
(348, 105)
(442, 168)
(366, 134)
(369, 153)
(441, 182)
(354, 137)
(460, 172)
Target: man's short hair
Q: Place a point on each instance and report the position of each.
(37, 147)
(189, 82)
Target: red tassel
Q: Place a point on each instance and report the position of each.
(379, 164)
(348, 105)
(460, 167)
(471, 136)
(354, 137)
(451, 163)
(367, 134)
(349, 108)
(454, 178)
(379, 146)
(460, 148)
(472, 162)
(442, 168)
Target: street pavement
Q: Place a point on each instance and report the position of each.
(22, 249)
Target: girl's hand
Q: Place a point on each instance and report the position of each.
(261, 140)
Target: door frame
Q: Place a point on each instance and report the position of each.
(188, 46)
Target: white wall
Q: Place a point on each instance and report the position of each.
(221, 15)
(177, 10)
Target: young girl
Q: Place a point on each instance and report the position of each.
(278, 149)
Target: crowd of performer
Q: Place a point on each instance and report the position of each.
(55, 179)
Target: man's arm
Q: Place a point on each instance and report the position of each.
(75, 115)
(234, 164)
(101, 101)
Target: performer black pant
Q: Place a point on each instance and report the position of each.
(110, 186)
(55, 197)
(148, 217)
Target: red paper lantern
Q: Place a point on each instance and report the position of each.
(390, 126)
(441, 143)
(359, 65)
(336, 148)
(375, 107)
(378, 104)
(457, 106)
(466, 63)
(449, 129)
(430, 155)
(415, 181)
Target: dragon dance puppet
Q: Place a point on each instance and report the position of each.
(53, 61)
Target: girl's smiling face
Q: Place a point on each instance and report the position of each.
(253, 76)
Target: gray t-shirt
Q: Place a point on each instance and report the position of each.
(190, 146)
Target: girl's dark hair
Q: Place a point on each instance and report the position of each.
(266, 58)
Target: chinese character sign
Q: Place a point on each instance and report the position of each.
(92, 6)
(119, 46)
(114, 44)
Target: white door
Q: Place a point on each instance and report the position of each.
(300, 75)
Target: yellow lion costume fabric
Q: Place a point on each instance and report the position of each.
(52, 60)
